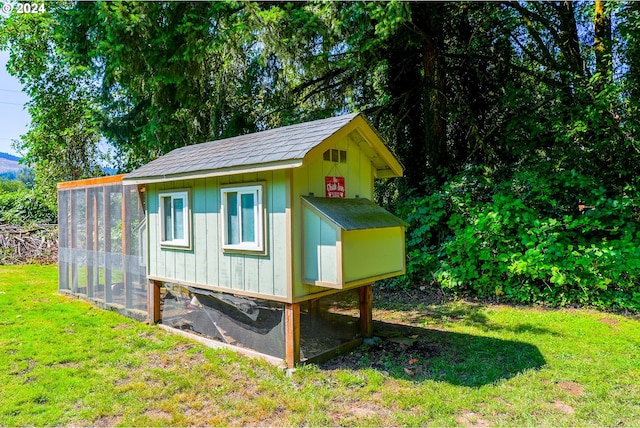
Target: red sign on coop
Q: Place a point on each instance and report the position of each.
(334, 187)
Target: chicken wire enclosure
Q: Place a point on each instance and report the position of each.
(102, 238)
(253, 324)
(327, 324)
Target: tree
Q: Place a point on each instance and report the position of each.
(62, 142)
(602, 40)
(195, 76)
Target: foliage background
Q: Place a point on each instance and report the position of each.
(517, 122)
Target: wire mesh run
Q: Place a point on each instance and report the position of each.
(101, 253)
(239, 321)
(259, 325)
(328, 323)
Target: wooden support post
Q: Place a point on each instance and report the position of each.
(366, 310)
(140, 251)
(63, 240)
(106, 206)
(141, 204)
(154, 301)
(292, 333)
(72, 242)
(126, 246)
(96, 240)
(90, 240)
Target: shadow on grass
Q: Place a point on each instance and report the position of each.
(420, 354)
(416, 309)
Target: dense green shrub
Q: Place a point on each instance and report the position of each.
(10, 185)
(526, 240)
(23, 207)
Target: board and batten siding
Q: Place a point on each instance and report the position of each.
(205, 264)
(362, 257)
(320, 250)
(358, 173)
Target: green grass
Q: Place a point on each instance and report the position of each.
(64, 362)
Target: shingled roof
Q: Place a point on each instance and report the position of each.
(354, 214)
(277, 148)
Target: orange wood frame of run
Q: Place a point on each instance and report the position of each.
(88, 182)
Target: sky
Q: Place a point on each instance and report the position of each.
(14, 118)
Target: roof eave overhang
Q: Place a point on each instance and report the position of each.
(371, 136)
(359, 124)
(387, 173)
(244, 169)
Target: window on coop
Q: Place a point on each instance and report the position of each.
(242, 218)
(335, 155)
(174, 219)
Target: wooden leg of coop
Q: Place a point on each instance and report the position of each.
(292, 333)
(366, 310)
(154, 301)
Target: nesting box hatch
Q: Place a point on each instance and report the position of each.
(349, 242)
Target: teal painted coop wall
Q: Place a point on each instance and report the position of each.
(204, 264)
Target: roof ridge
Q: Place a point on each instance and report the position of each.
(274, 130)
(282, 147)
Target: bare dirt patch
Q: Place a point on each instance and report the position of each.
(69, 365)
(470, 419)
(407, 348)
(107, 421)
(31, 364)
(365, 411)
(155, 415)
(609, 321)
(571, 388)
(564, 408)
(181, 348)
(122, 381)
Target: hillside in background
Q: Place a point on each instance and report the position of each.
(9, 165)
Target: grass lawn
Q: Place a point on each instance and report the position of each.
(64, 362)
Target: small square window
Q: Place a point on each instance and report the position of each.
(174, 219)
(242, 218)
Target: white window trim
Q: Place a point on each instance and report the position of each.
(186, 219)
(259, 221)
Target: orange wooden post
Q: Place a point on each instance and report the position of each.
(366, 310)
(73, 243)
(292, 333)
(90, 239)
(106, 205)
(154, 300)
(126, 247)
(63, 233)
(96, 241)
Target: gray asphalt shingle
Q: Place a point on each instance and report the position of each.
(354, 214)
(289, 143)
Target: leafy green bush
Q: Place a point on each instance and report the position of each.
(525, 240)
(25, 207)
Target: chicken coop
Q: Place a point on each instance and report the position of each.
(267, 242)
